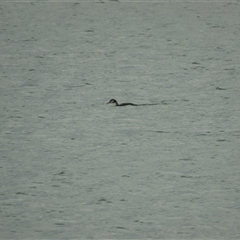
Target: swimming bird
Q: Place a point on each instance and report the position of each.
(122, 104)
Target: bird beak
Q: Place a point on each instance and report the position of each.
(108, 102)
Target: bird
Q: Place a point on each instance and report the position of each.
(121, 104)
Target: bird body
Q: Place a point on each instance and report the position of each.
(114, 101)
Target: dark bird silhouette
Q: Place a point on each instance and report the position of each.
(114, 101)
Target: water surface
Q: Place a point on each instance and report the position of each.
(74, 167)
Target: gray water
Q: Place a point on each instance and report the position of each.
(74, 167)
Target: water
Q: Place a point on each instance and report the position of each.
(73, 166)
